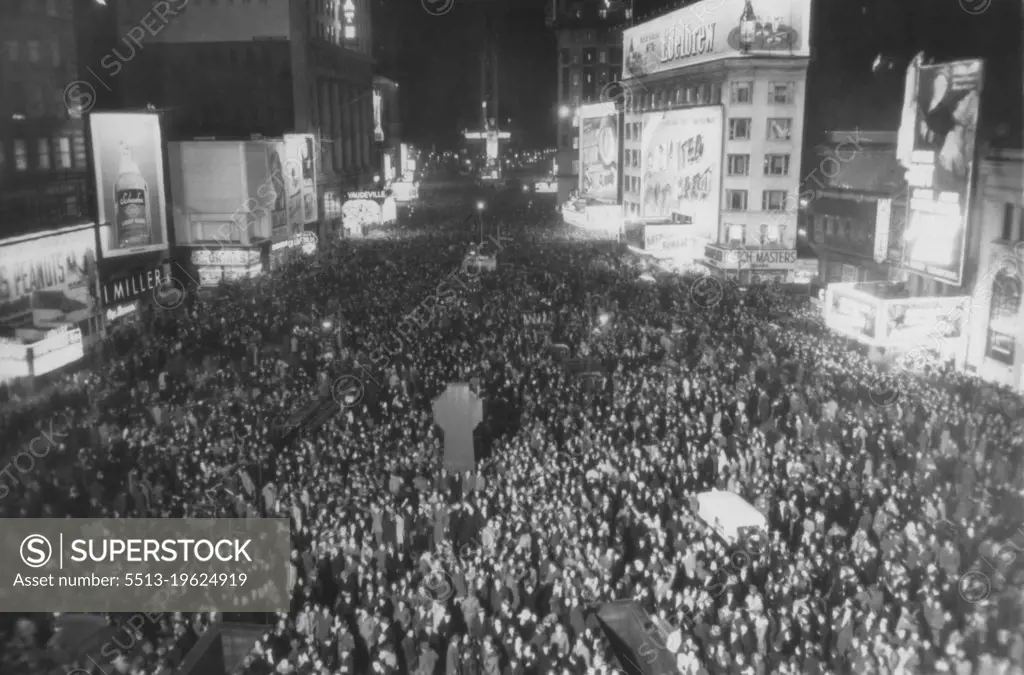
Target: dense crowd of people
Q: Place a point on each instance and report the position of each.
(893, 526)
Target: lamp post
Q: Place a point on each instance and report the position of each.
(480, 219)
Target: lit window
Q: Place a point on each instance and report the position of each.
(735, 234)
(736, 200)
(770, 234)
(575, 143)
(776, 165)
(43, 148)
(780, 93)
(739, 129)
(741, 93)
(780, 128)
(350, 32)
(63, 152)
(773, 200)
(739, 165)
(576, 166)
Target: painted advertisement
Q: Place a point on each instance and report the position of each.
(277, 194)
(61, 265)
(937, 145)
(712, 30)
(599, 153)
(681, 172)
(128, 162)
(301, 150)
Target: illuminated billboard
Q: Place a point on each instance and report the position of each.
(681, 166)
(276, 194)
(299, 181)
(936, 145)
(59, 263)
(128, 162)
(710, 30)
(599, 153)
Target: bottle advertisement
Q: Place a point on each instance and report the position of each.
(129, 168)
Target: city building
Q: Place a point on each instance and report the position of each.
(996, 321)
(854, 184)
(589, 62)
(234, 69)
(713, 127)
(44, 174)
(387, 130)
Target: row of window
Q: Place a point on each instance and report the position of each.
(766, 233)
(225, 2)
(710, 93)
(55, 8)
(32, 51)
(774, 165)
(826, 226)
(735, 200)
(776, 129)
(591, 56)
(45, 154)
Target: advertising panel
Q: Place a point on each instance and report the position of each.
(681, 172)
(943, 114)
(301, 172)
(710, 30)
(924, 322)
(60, 347)
(13, 360)
(62, 263)
(599, 153)
(357, 214)
(277, 192)
(128, 161)
(850, 315)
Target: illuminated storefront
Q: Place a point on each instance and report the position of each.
(874, 315)
(36, 353)
(713, 123)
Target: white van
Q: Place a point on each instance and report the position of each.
(732, 517)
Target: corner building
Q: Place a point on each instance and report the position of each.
(713, 128)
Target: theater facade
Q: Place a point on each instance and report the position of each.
(713, 117)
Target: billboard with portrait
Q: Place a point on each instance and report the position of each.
(128, 162)
(681, 166)
(277, 194)
(59, 263)
(937, 144)
(599, 153)
(710, 30)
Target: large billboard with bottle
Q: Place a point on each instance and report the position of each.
(712, 30)
(681, 162)
(599, 153)
(128, 162)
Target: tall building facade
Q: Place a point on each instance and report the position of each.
(713, 129)
(236, 68)
(589, 61)
(43, 158)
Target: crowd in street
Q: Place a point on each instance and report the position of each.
(894, 520)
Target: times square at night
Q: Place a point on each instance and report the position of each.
(511, 337)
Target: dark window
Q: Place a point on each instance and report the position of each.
(566, 83)
(1009, 221)
(615, 55)
(1002, 320)
(566, 55)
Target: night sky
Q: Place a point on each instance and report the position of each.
(438, 62)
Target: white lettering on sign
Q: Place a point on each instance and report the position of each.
(758, 259)
(680, 42)
(128, 288)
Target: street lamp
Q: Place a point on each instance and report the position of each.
(480, 219)
(564, 112)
